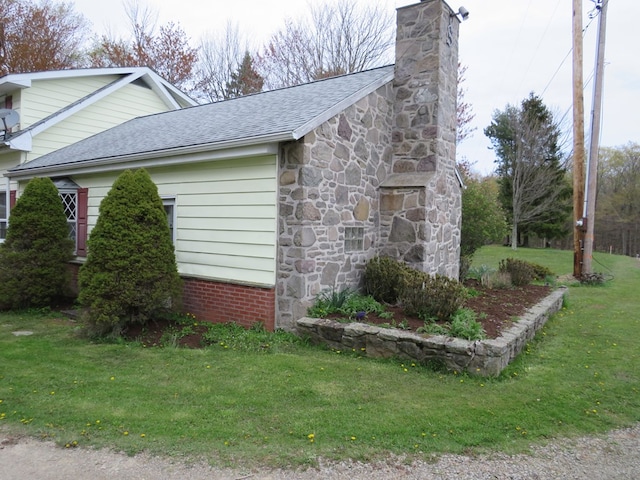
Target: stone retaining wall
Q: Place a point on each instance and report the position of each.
(480, 357)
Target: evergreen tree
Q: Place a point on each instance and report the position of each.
(245, 80)
(130, 274)
(534, 190)
(34, 269)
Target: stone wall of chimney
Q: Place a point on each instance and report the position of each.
(329, 181)
(422, 195)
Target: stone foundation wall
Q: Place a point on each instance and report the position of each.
(480, 357)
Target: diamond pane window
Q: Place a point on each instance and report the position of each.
(70, 204)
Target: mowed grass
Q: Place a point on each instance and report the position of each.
(272, 400)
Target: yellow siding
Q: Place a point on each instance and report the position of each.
(226, 216)
(46, 97)
(126, 103)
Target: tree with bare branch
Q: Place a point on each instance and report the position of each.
(221, 54)
(335, 38)
(40, 36)
(534, 189)
(166, 50)
(464, 113)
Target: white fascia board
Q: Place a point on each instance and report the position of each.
(167, 91)
(179, 156)
(340, 106)
(23, 142)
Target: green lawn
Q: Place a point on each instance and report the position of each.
(262, 399)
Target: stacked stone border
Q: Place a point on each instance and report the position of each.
(481, 357)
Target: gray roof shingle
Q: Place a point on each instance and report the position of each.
(275, 115)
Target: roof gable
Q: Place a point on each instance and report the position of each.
(273, 116)
(171, 96)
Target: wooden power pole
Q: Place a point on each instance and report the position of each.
(594, 143)
(578, 140)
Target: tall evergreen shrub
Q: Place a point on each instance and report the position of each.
(34, 258)
(130, 274)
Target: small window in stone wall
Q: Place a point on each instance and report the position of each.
(353, 239)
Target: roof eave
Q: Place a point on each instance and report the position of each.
(265, 145)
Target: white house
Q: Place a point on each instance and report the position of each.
(55, 109)
(274, 197)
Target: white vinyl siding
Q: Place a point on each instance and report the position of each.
(225, 213)
(122, 105)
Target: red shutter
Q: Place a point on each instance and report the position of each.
(81, 247)
(12, 199)
(8, 101)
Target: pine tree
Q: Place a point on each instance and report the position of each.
(246, 80)
(34, 269)
(130, 274)
(534, 190)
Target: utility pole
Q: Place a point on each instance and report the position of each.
(594, 143)
(578, 140)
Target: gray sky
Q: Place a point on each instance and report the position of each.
(511, 48)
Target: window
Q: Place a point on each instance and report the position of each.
(353, 239)
(7, 200)
(4, 210)
(169, 204)
(74, 201)
(70, 204)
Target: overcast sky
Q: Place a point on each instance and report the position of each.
(511, 48)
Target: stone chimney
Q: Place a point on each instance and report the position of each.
(421, 198)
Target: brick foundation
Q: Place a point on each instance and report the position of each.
(220, 302)
(224, 302)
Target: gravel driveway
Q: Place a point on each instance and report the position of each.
(612, 456)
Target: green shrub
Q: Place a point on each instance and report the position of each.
(540, 272)
(464, 325)
(382, 279)
(427, 296)
(34, 270)
(328, 302)
(522, 272)
(344, 302)
(360, 303)
(130, 274)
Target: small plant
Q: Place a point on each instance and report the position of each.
(464, 325)
(497, 280)
(592, 279)
(329, 301)
(358, 304)
(522, 272)
(477, 273)
(431, 328)
(425, 296)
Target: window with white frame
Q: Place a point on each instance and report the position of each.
(169, 204)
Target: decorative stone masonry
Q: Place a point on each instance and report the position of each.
(481, 357)
(421, 222)
(329, 183)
